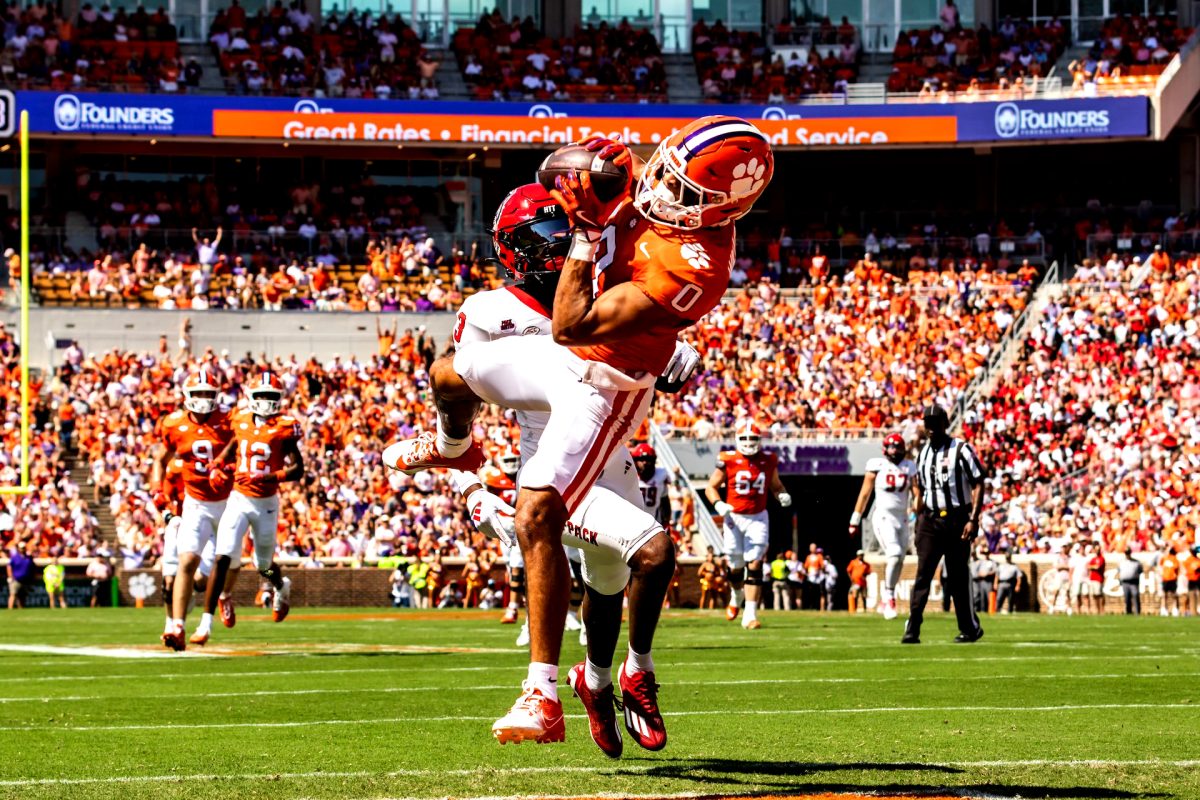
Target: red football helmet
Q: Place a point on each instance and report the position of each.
(893, 447)
(531, 232)
(645, 460)
(496, 481)
(707, 174)
(747, 438)
(200, 391)
(266, 394)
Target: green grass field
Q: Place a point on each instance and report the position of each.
(359, 704)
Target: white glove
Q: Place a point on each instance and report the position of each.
(679, 369)
(784, 499)
(493, 517)
(722, 508)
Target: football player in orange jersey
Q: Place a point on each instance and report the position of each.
(266, 446)
(747, 475)
(196, 435)
(643, 265)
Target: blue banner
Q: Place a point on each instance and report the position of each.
(453, 121)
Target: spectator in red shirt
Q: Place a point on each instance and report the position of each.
(1095, 593)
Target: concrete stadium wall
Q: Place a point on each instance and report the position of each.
(276, 333)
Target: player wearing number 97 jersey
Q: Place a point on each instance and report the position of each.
(195, 434)
(266, 452)
(892, 478)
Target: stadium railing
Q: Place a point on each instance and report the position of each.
(708, 527)
(1004, 350)
(1099, 245)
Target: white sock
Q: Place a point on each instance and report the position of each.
(544, 677)
(595, 677)
(448, 445)
(224, 595)
(734, 599)
(176, 623)
(751, 609)
(205, 622)
(888, 594)
(513, 605)
(167, 626)
(638, 662)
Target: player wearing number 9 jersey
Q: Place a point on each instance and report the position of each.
(266, 452)
(195, 435)
(892, 477)
(747, 475)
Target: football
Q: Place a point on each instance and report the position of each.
(608, 179)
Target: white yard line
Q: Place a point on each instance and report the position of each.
(97, 652)
(799, 661)
(513, 686)
(606, 769)
(768, 712)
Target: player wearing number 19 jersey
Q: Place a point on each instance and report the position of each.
(196, 435)
(266, 451)
(748, 475)
(892, 477)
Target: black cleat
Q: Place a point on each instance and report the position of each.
(967, 638)
(910, 638)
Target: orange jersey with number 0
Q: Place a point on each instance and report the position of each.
(684, 272)
(195, 444)
(748, 480)
(262, 446)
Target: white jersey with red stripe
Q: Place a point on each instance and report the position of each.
(502, 313)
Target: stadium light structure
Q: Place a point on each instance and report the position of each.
(23, 487)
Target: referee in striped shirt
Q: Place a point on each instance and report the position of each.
(950, 483)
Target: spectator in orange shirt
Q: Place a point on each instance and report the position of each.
(814, 577)
(1191, 570)
(857, 571)
(1159, 261)
(1168, 570)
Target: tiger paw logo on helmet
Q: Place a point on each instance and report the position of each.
(695, 255)
(748, 177)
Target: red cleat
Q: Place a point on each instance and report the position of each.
(227, 611)
(416, 455)
(601, 709)
(174, 639)
(510, 616)
(533, 718)
(731, 613)
(642, 718)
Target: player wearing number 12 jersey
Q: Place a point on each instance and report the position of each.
(266, 451)
(748, 475)
(893, 479)
(195, 434)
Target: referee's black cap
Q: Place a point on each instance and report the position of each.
(935, 418)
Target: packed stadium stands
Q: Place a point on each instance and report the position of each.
(502, 60)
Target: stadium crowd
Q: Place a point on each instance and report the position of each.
(514, 60)
(1094, 433)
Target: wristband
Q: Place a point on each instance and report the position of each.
(856, 518)
(583, 248)
(463, 480)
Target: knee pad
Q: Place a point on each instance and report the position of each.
(168, 584)
(269, 572)
(516, 580)
(753, 577)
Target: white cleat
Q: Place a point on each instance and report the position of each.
(523, 636)
(572, 623)
(889, 610)
(279, 603)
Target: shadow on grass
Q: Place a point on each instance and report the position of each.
(794, 777)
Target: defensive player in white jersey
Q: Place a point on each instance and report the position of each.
(892, 478)
(654, 483)
(617, 543)
(647, 260)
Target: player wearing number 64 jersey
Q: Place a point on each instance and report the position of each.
(747, 475)
(195, 435)
(266, 451)
(892, 478)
